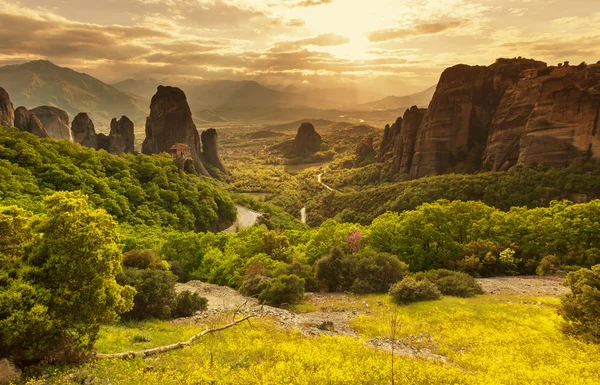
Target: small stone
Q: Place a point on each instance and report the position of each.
(9, 372)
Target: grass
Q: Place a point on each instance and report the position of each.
(489, 339)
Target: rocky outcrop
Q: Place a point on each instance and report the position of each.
(55, 121)
(9, 372)
(404, 141)
(210, 149)
(83, 131)
(365, 150)
(516, 111)
(170, 122)
(123, 137)
(307, 141)
(7, 112)
(386, 148)
(28, 122)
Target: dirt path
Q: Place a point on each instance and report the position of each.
(531, 285)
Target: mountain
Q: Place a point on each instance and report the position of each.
(41, 82)
(420, 99)
(145, 88)
(513, 112)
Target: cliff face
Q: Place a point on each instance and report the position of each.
(122, 134)
(7, 111)
(170, 122)
(516, 111)
(55, 121)
(83, 131)
(28, 122)
(307, 141)
(210, 149)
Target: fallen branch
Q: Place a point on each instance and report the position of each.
(163, 349)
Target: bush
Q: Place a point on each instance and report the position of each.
(581, 307)
(372, 272)
(285, 289)
(329, 270)
(143, 259)
(409, 290)
(301, 270)
(155, 297)
(548, 265)
(452, 283)
(188, 303)
(254, 285)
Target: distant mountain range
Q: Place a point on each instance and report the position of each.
(40, 82)
(420, 99)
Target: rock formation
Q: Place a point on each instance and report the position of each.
(83, 131)
(404, 142)
(365, 150)
(307, 141)
(170, 122)
(55, 121)
(386, 148)
(210, 149)
(516, 111)
(122, 132)
(28, 122)
(7, 112)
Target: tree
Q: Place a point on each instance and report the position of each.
(581, 307)
(64, 287)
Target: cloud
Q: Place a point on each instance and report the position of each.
(426, 28)
(309, 3)
(324, 40)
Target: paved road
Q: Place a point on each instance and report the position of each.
(320, 181)
(245, 218)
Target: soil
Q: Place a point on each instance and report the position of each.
(530, 285)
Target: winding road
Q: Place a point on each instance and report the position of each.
(245, 218)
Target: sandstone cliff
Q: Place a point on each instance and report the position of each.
(170, 122)
(121, 137)
(55, 121)
(516, 111)
(307, 141)
(7, 112)
(83, 131)
(210, 149)
(28, 122)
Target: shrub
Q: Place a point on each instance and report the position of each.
(254, 285)
(581, 307)
(409, 290)
(301, 270)
(143, 259)
(285, 289)
(188, 303)
(57, 279)
(452, 283)
(372, 272)
(329, 270)
(548, 265)
(155, 297)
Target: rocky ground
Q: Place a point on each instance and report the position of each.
(530, 285)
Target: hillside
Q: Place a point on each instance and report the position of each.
(40, 82)
(140, 189)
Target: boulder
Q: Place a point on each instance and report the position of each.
(28, 122)
(122, 132)
(7, 112)
(210, 149)
(170, 122)
(307, 141)
(83, 131)
(9, 372)
(55, 121)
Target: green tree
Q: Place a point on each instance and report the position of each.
(53, 304)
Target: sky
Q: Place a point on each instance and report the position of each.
(392, 47)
